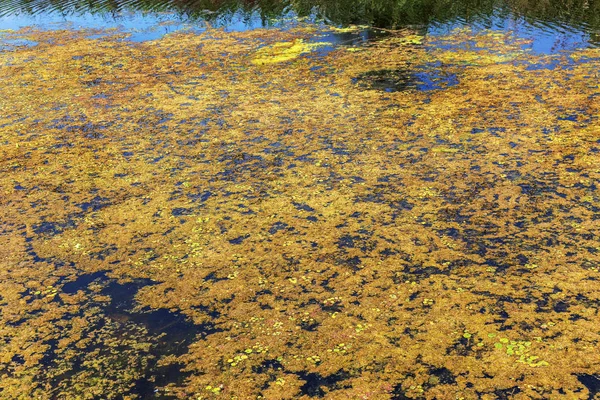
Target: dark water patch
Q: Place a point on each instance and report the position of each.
(306, 158)
(414, 296)
(427, 271)
(318, 385)
(160, 333)
(333, 308)
(92, 83)
(176, 327)
(542, 303)
(451, 232)
(386, 80)
(213, 278)
(267, 365)
(239, 239)
(373, 197)
(577, 317)
(244, 210)
(336, 148)
(561, 306)
(498, 264)
(146, 387)
(94, 204)
(182, 211)
(402, 204)
(48, 357)
(462, 347)
(122, 295)
(35, 257)
(174, 332)
(454, 215)
(278, 226)
(507, 394)
(388, 252)
(179, 331)
(105, 252)
(398, 393)
(200, 196)
(591, 383)
(303, 207)
(50, 228)
(83, 281)
(309, 326)
(346, 241)
(568, 117)
(444, 376)
(17, 359)
(352, 262)
(240, 158)
(398, 80)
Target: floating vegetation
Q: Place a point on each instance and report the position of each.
(284, 51)
(180, 222)
(406, 79)
(348, 29)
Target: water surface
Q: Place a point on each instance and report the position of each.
(364, 201)
(554, 26)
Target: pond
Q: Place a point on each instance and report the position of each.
(554, 25)
(295, 200)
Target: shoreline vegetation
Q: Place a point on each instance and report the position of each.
(257, 215)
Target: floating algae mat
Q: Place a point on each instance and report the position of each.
(179, 220)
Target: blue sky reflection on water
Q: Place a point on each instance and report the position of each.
(142, 26)
(545, 39)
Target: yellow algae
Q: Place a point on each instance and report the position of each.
(284, 51)
(347, 29)
(179, 220)
(407, 39)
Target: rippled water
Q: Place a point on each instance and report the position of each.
(553, 26)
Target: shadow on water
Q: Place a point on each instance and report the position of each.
(170, 332)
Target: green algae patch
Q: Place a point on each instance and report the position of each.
(179, 221)
(284, 51)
